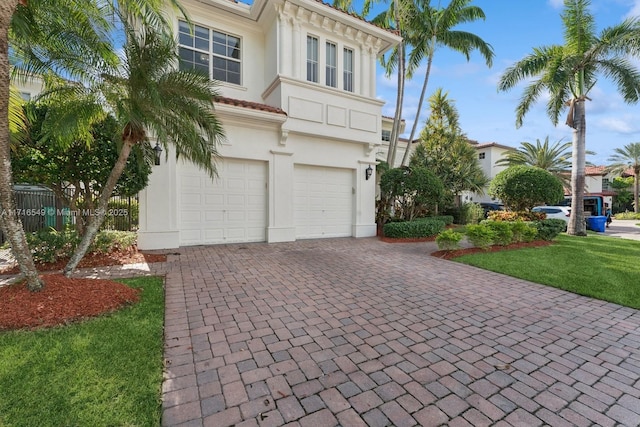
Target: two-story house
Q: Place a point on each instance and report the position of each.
(488, 154)
(302, 121)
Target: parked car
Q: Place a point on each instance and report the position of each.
(557, 212)
(488, 207)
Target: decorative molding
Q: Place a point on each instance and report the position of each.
(283, 137)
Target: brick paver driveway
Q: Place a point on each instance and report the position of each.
(357, 332)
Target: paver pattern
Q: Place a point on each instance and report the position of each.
(356, 332)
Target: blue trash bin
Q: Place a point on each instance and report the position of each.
(597, 223)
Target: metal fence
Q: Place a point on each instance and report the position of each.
(41, 209)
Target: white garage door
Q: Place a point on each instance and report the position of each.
(323, 202)
(229, 209)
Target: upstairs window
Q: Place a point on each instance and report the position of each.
(312, 59)
(348, 70)
(386, 135)
(332, 65)
(212, 52)
(481, 156)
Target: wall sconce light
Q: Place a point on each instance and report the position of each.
(368, 172)
(157, 151)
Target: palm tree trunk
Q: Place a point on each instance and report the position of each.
(11, 224)
(397, 118)
(577, 226)
(405, 158)
(97, 217)
(636, 188)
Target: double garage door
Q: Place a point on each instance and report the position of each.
(233, 208)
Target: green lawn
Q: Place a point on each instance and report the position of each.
(103, 372)
(601, 267)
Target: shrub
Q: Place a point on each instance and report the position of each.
(111, 240)
(523, 187)
(449, 240)
(423, 228)
(548, 229)
(471, 213)
(447, 219)
(516, 216)
(480, 235)
(523, 231)
(51, 245)
(410, 191)
(627, 215)
(503, 234)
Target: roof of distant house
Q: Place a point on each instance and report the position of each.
(249, 104)
(595, 170)
(476, 144)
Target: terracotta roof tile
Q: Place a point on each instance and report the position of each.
(249, 104)
(595, 170)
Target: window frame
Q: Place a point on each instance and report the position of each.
(210, 52)
(313, 74)
(331, 64)
(348, 72)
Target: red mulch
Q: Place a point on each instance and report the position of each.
(459, 252)
(65, 300)
(96, 260)
(62, 301)
(407, 239)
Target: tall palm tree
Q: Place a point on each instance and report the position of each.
(553, 158)
(430, 28)
(568, 72)
(628, 157)
(150, 98)
(10, 223)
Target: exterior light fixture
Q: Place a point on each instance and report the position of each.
(368, 172)
(157, 151)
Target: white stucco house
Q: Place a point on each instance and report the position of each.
(302, 123)
(488, 154)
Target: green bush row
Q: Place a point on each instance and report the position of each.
(503, 233)
(447, 219)
(51, 245)
(627, 215)
(425, 227)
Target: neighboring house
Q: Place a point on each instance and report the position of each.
(30, 88)
(488, 154)
(302, 124)
(403, 143)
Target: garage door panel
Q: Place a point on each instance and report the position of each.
(323, 202)
(231, 208)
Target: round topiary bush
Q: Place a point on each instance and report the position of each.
(523, 187)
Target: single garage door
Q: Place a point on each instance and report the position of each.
(229, 209)
(323, 202)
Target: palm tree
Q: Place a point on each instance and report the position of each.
(430, 28)
(568, 72)
(628, 157)
(150, 98)
(553, 158)
(64, 37)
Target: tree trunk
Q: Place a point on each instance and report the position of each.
(577, 226)
(405, 158)
(636, 188)
(11, 224)
(397, 118)
(97, 217)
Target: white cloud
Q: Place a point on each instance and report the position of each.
(625, 125)
(556, 4)
(634, 11)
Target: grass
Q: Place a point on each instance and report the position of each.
(601, 267)
(103, 372)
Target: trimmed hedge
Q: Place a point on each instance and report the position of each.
(548, 229)
(425, 227)
(447, 219)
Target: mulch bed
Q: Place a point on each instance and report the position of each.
(467, 251)
(96, 260)
(407, 240)
(62, 301)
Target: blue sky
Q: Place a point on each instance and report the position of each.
(514, 28)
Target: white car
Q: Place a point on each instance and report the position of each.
(557, 212)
